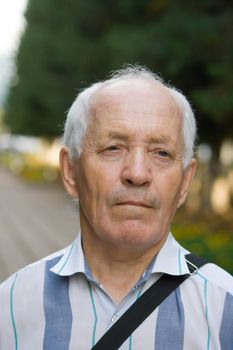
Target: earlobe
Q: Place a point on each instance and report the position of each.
(187, 180)
(68, 173)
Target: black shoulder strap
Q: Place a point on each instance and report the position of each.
(144, 306)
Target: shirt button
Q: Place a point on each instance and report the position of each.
(115, 318)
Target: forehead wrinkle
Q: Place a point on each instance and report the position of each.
(149, 139)
(106, 102)
(118, 104)
(121, 115)
(123, 107)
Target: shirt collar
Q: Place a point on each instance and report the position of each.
(72, 261)
(169, 260)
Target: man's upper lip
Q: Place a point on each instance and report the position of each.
(135, 202)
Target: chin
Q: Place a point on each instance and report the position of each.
(136, 235)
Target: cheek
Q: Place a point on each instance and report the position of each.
(168, 189)
(103, 179)
(93, 189)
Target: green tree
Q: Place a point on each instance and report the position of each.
(68, 44)
(58, 54)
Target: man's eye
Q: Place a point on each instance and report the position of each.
(112, 148)
(163, 154)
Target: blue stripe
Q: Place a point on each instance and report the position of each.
(206, 315)
(206, 309)
(169, 332)
(226, 330)
(12, 312)
(95, 315)
(57, 309)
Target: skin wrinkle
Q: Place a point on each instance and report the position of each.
(117, 132)
(144, 165)
(103, 101)
(91, 146)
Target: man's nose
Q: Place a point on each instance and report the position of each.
(136, 170)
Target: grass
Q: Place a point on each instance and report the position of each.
(209, 237)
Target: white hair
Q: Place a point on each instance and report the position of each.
(80, 111)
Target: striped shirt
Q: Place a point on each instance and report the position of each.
(55, 304)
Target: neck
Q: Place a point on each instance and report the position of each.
(117, 268)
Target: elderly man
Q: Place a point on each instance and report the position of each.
(128, 161)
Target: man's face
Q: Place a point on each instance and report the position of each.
(130, 176)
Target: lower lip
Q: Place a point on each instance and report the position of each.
(134, 205)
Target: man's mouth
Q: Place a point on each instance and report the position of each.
(135, 203)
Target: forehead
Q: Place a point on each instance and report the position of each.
(134, 104)
(135, 93)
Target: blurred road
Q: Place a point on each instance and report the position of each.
(35, 220)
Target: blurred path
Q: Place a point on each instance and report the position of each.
(35, 220)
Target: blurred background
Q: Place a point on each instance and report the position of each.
(49, 50)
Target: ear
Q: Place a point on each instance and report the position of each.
(67, 168)
(189, 173)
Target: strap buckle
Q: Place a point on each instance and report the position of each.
(192, 268)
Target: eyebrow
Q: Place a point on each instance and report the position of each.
(118, 135)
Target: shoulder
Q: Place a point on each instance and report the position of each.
(21, 299)
(217, 277)
(212, 274)
(28, 278)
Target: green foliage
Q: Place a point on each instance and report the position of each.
(69, 44)
(216, 247)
